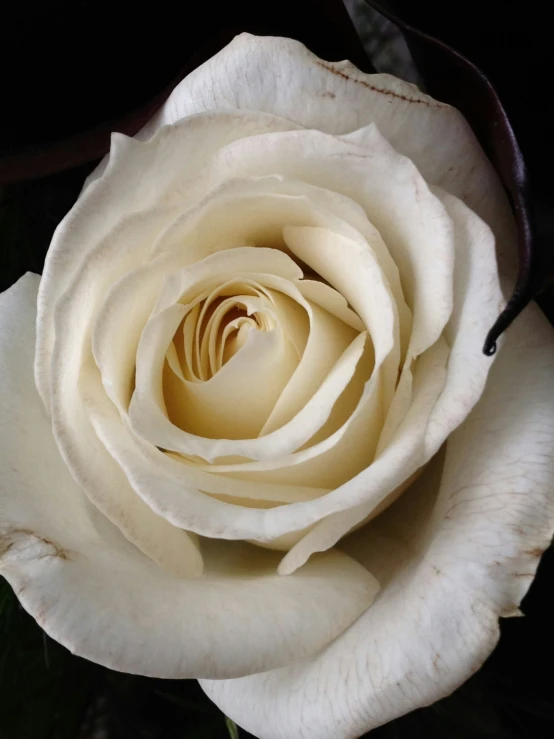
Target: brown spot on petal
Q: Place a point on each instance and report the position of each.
(390, 93)
(536, 552)
(8, 540)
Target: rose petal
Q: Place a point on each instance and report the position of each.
(338, 451)
(328, 340)
(296, 154)
(477, 302)
(229, 216)
(477, 298)
(107, 201)
(351, 275)
(251, 380)
(94, 469)
(173, 491)
(332, 301)
(451, 565)
(337, 98)
(94, 592)
(308, 412)
(405, 454)
(403, 212)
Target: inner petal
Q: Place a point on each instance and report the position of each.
(240, 314)
(329, 338)
(248, 211)
(250, 381)
(235, 401)
(283, 303)
(214, 310)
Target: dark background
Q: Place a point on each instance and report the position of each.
(70, 72)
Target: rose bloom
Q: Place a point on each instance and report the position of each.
(261, 445)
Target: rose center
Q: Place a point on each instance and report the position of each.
(216, 329)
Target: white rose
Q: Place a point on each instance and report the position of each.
(262, 322)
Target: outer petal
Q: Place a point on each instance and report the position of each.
(477, 300)
(107, 200)
(101, 478)
(98, 595)
(282, 77)
(451, 565)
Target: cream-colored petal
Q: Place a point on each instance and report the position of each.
(229, 264)
(337, 98)
(188, 358)
(405, 454)
(163, 281)
(95, 593)
(236, 402)
(174, 362)
(371, 485)
(449, 565)
(358, 277)
(399, 407)
(411, 220)
(332, 301)
(318, 399)
(229, 216)
(329, 338)
(105, 484)
(301, 427)
(248, 204)
(173, 488)
(418, 232)
(222, 347)
(477, 303)
(339, 450)
(293, 315)
(106, 203)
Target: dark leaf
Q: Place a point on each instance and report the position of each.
(452, 78)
